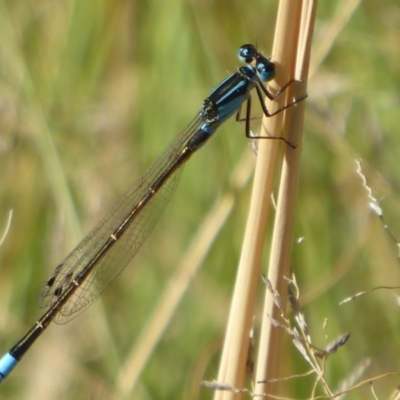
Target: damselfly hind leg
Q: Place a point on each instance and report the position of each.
(261, 89)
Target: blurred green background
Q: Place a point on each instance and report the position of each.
(91, 92)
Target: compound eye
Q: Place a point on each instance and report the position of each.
(265, 70)
(247, 53)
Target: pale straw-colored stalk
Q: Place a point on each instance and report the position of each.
(282, 241)
(290, 46)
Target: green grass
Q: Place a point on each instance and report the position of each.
(92, 92)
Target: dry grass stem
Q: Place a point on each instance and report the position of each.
(232, 368)
(293, 39)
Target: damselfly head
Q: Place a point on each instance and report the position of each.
(265, 68)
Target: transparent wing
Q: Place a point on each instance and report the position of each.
(120, 253)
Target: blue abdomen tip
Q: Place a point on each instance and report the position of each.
(7, 363)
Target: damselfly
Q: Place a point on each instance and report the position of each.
(101, 256)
